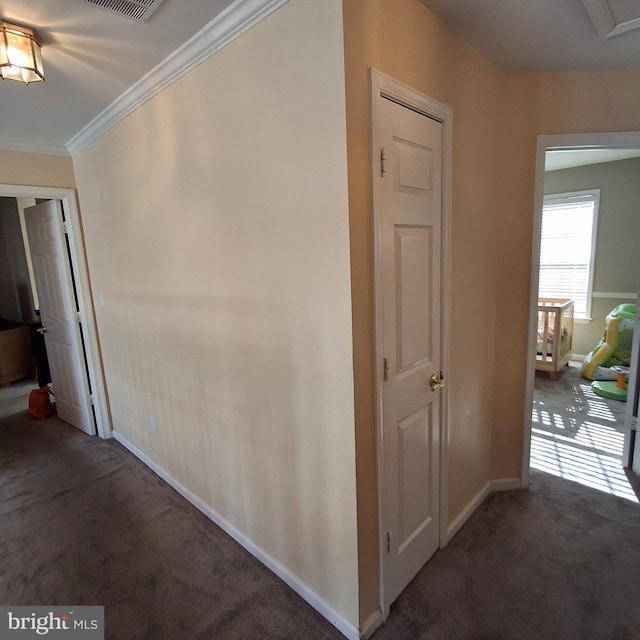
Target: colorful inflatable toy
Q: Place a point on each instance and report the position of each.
(615, 347)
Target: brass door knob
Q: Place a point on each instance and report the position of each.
(42, 330)
(436, 381)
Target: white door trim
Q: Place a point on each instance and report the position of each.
(620, 139)
(83, 289)
(631, 452)
(383, 85)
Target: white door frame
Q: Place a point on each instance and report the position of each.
(383, 85)
(546, 143)
(80, 271)
(631, 453)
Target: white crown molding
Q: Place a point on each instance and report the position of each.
(9, 144)
(603, 18)
(239, 17)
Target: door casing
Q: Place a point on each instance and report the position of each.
(83, 290)
(546, 143)
(631, 453)
(383, 85)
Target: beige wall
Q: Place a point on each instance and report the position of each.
(216, 228)
(617, 260)
(537, 104)
(404, 40)
(497, 118)
(36, 170)
(216, 223)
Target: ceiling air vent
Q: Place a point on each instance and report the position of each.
(138, 10)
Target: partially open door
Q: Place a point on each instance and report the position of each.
(59, 315)
(631, 455)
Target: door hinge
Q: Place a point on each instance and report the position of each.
(388, 541)
(92, 400)
(383, 163)
(386, 368)
(65, 227)
(79, 317)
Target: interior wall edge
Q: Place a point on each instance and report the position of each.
(468, 511)
(290, 579)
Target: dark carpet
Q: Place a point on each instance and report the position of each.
(557, 561)
(84, 522)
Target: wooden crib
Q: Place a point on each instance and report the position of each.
(555, 333)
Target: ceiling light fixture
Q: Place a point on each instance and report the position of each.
(20, 56)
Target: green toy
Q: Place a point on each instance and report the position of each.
(608, 364)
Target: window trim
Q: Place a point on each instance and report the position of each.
(564, 197)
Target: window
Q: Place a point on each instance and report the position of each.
(567, 248)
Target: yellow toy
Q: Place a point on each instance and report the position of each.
(615, 347)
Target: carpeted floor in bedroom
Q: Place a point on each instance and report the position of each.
(579, 435)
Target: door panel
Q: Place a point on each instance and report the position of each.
(414, 448)
(52, 275)
(415, 164)
(410, 249)
(413, 252)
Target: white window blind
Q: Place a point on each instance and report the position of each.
(567, 247)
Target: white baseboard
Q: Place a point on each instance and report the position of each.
(501, 484)
(467, 512)
(506, 484)
(371, 625)
(345, 627)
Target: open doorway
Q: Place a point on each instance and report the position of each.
(71, 239)
(23, 358)
(571, 431)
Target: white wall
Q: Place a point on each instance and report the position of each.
(216, 226)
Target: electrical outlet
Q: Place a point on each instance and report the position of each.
(154, 424)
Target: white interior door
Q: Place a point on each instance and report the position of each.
(631, 454)
(408, 289)
(52, 274)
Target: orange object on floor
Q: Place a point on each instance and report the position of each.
(39, 404)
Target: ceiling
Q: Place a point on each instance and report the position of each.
(92, 57)
(569, 158)
(547, 35)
